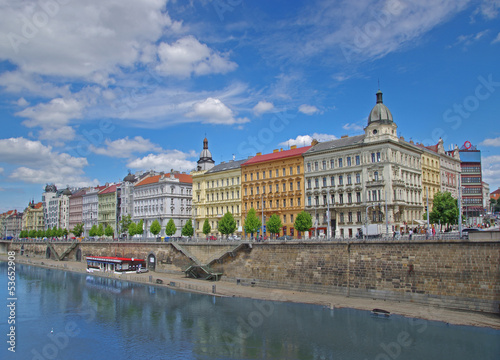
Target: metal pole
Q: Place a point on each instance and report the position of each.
(428, 214)
(459, 206)
(386, 217)
(262, 204)
(328, 218)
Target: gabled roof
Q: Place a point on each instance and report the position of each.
(276, 155)
(337, 144)
(109, 190)
(230, 165)
(79, 193)
(183, 178)
(497, 191)
(39, 205)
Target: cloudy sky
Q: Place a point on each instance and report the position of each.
(90, 89)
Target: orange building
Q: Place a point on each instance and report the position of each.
(273, 184)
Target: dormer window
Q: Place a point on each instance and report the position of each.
(375, 132)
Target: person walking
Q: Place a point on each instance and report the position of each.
(410, 233)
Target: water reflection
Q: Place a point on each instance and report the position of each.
(127, 320)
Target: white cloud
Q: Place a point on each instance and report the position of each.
(124, 148)
(308, 109)
(497, 39)
(214, 111)
(467, 40)
(491, 170)
(39, 164)
(22, 102)
(104, 35)
(1, 170)
(173, 159)
(20, 82)
(188, 56)
(488, 9)
(53, 114)
(353, 127)
(57, 136)
(491, 142)
(305, 140)
(263, 107)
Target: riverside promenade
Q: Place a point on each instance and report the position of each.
(232, 289)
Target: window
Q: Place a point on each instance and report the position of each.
(316, 199)
(378, 157)
(270, 188)
(270, 174)
(357, 160)
(349, 216)
(324, 164)
(332, 199)
(284, 187)
(245, 177)
(348, 161)
(284, 218)
(284, 203)
(257, 175)
(277, 188)
(324, 182)
(308, 183)
(308, 167)
(358, 216)
(341, 180)
(284, 173)
(298, 169)
(316, 183)
(291, 186)
(277, 204)
(309, 201)
(257, 189)
(324, 200)
(263, 174)
(298, 201)
(298, 185)
(291, 170)
(277, 173)
(358, 197)
(341, 217)
(341, 198)
(291, 202)
(349, 198)
(332, 164)
(349, 180)
(375, 176)
(358, 178)
(340, 162)
(373, 158)
(316, 166)
(332, 181)
(251, 176)
(251, 191)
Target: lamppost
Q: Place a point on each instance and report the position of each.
(262, 204)
(329, 231)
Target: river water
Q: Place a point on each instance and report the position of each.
(64, 315)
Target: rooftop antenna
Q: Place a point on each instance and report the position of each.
(378, 83)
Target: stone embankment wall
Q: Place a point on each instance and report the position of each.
(457, 274)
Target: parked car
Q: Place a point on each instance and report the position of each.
(211, 237)
(285, 237)
(234, 237)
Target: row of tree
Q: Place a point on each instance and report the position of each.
(54, 232)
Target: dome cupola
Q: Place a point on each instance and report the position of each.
(380, 112)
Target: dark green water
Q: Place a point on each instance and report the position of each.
(94, 318)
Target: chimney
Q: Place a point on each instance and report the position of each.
(293, 147)
(275, 151)
(258, 154)
(314, 142)
(281, 149)
(344, 136)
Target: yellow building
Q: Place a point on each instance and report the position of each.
(33, 217)
(216, 192)
(431, 171)
(273, 184)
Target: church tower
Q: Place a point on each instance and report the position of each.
(206, 162)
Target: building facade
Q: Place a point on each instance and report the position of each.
(33, 217)
(76, 208)
(216, 192)
(90, 208)
(471, 182)
(50, 212)
(273, 184)
(431, 177)
(357, 178)
(109, 206)
(163, 197)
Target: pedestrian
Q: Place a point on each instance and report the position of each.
(394, 235)
(410, 233)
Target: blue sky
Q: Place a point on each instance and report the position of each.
(91, 89)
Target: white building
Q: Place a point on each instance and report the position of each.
(163, 197)
(358, 177)
(90, 208)
(50, 210)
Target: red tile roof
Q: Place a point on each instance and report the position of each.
(183, 178)
(39, 205)
(276, 155)
(109, 190)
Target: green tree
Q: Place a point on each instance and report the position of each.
(139, 228)
(40, 233)
(444, 209)
(48, 232)
(206, 227)
(496, 208)
(303, 222)
(65, 232)
(274, 225)
(109, 231)
(78, 230)
(187, 230)
(100, 230)
(252, 222)
(131, 229)
(59, 232)
(170, 229)
(227, 225)
(24, 234)
(93, 230)
(125, 223)
(155, 227)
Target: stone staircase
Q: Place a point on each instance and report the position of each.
(186, 253)
(68, 250)
(232, 253)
